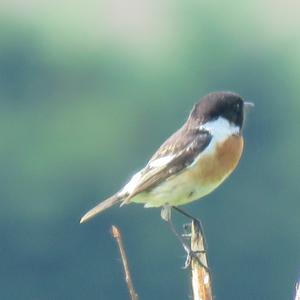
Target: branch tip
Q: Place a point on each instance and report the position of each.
(115, 232)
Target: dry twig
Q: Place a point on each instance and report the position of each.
(201, 281)
(118, 237)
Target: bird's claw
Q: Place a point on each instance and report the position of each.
(193, 255)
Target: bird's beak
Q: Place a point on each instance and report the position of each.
(248, 106)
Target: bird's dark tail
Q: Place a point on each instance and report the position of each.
(100, 207)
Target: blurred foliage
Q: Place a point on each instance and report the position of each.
(89, 90)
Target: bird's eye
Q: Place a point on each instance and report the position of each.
(237, 106)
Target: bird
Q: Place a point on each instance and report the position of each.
(192, 162)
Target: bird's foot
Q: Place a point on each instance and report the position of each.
(194, 255)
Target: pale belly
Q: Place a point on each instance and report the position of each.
(200, 179)
(176, 192)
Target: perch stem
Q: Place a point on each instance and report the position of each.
(201, 279)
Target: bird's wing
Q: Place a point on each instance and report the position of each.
(172, 157)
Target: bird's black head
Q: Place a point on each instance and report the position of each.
(227, 105)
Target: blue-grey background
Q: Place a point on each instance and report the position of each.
(89, 90)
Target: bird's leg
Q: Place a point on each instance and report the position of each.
(166, 216)
(188, 216)
(191, 254)
(166, 213)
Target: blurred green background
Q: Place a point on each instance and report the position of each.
(89, 90)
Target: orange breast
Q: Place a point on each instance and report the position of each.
(216, 166)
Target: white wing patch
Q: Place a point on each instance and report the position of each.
(160, 162)
(130, 186)
(134, 181)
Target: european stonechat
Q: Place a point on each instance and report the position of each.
(191, 163)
